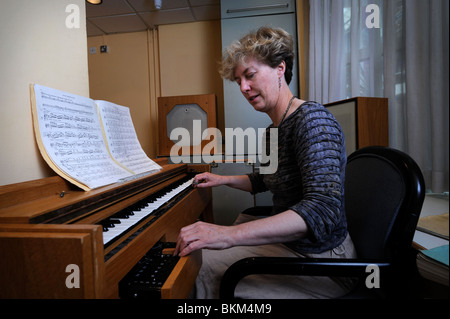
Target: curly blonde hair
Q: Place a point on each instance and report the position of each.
(268, 45)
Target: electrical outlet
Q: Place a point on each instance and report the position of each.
(104, 49)
(92, 50)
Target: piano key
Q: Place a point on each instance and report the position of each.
(147, 277)
(120, 222)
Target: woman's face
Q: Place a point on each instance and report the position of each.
(259, 83)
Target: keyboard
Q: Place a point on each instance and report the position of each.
(145, 280)
(119, 223)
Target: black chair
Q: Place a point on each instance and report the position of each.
(384, 193)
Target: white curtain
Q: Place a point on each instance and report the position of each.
(404, 58)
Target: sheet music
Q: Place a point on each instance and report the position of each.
(72, 137)
(122, 139)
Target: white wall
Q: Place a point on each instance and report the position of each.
(36, 46)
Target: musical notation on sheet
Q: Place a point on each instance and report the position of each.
(72, 137)
(122, 139)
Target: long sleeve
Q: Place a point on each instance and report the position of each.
(320, 154)
(310, 176)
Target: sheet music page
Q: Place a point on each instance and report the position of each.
(122, 140)
(72, 137)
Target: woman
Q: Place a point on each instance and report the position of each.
(308, 217)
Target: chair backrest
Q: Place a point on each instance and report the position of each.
(384, 193)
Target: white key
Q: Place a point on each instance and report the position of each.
(126, 223)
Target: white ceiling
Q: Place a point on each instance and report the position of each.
(118, 16)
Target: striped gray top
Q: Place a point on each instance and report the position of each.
(310, 176)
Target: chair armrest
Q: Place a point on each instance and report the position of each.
(330, 267)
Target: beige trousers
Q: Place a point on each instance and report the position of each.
(215, 263)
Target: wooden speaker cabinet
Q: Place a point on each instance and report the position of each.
(190, 113)
(364, 121)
